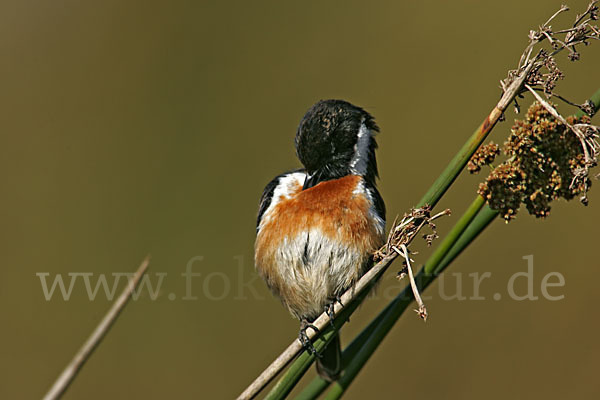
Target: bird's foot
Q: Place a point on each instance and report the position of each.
(330, 308)
(303, 336)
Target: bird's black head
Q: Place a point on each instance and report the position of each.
(335, 139)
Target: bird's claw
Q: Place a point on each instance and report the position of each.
(330, 308)
(304, 339)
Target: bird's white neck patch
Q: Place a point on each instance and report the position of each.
(359, 162)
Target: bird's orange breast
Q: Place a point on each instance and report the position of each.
(334, 216)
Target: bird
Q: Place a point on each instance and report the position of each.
(318, 226)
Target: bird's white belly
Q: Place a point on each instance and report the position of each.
(315, 269)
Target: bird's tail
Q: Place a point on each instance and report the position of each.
(329, 365)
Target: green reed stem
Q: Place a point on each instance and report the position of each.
(462, 234)
(456, 241)
(388, 317)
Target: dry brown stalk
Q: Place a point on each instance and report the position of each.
(70, 372)
(400, 235)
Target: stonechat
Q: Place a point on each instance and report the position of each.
(319, 226)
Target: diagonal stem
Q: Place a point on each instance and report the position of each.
(400, 303)
(433, 195)
(84, 353)
(452, 246)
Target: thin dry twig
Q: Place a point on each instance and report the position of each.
(320, 323)
(588, 137)
(588, 141)
(540, 73)
(422, 311)
(404, 231)
(66, 377)
(545, 73)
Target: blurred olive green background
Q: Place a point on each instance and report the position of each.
(143, 127)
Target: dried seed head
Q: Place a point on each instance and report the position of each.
(574, 56)
(485, 155)
(544, 163)
(588, 108)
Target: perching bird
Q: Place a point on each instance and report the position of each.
(318, 226)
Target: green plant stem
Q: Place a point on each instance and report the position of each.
(449, 175)
(451, 238)
(445, 180)
(285, 385)
(318, 384)
(456, 165)
(299, 367)
(313, 389)
(595, 99)
(388, 317)
(485, 216)
(459, 161)
(449, 249)
(479, 223)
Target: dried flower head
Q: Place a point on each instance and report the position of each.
(544, 160)
(485, 155)
(538, 61)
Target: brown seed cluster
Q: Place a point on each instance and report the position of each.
(485, 155)
(543, 156)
